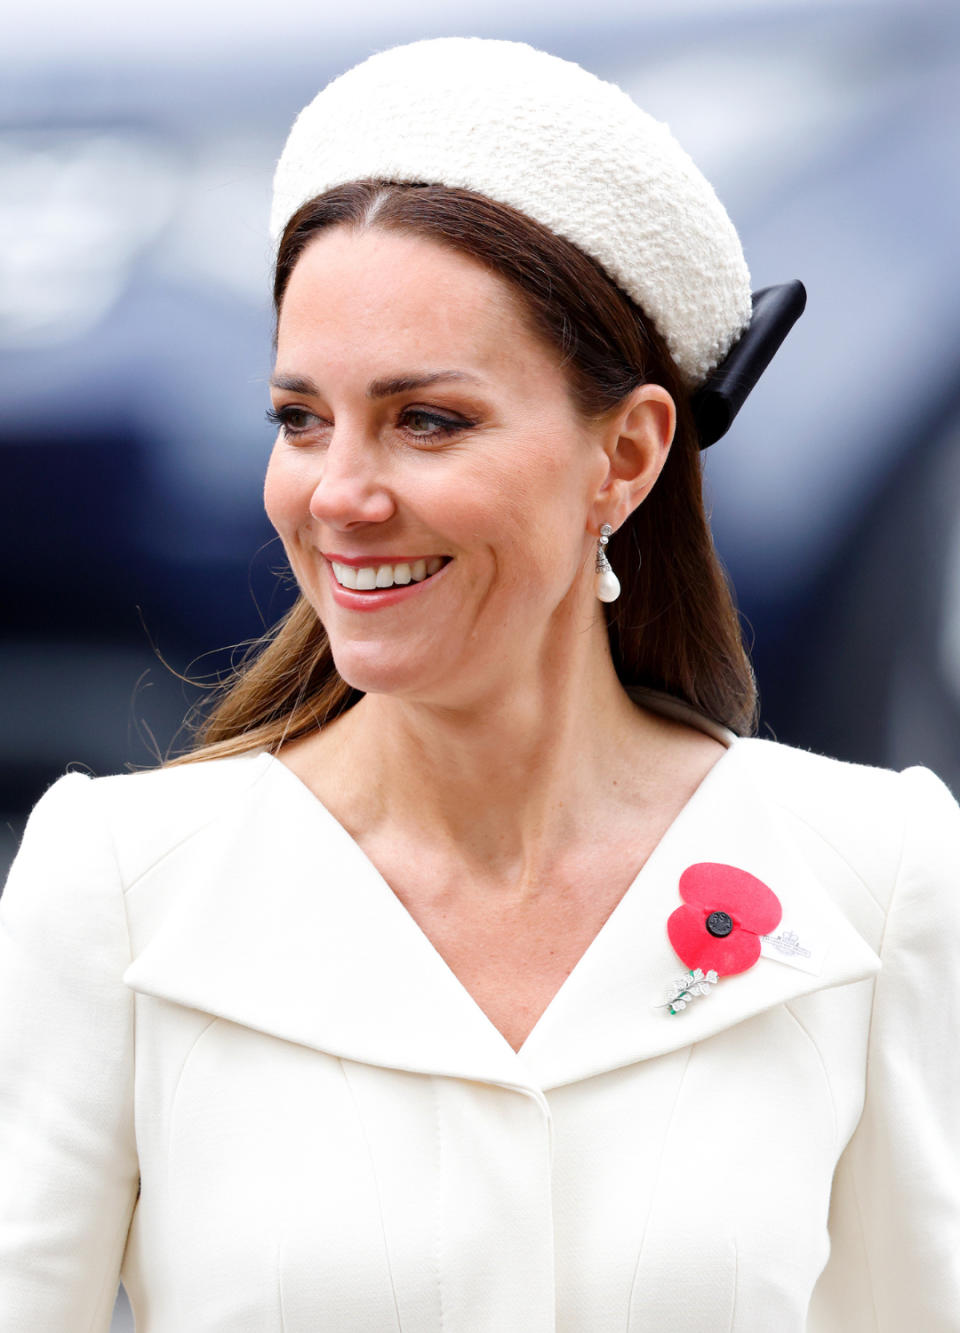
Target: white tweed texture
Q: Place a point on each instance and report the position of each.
(543, 135)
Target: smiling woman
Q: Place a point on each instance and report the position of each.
(370, 1012)
(442, 261)
(477, 477)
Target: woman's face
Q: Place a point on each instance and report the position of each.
(428, 446)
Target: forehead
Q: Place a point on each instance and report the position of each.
(374, 293)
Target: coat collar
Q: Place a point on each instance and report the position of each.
(278, 921)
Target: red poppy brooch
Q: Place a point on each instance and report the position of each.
(716, 932)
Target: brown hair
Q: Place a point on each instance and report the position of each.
(674, 627)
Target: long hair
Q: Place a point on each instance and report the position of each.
(674, 627)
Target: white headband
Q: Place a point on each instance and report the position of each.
(541, 134)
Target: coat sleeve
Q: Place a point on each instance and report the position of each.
(895, 1213)
(68, 1165)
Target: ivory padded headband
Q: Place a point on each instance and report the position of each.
(543, 135)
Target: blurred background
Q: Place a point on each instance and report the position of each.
(136, 152)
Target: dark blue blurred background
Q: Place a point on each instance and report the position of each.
(135, 160)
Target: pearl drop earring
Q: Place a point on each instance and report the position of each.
(607, 583)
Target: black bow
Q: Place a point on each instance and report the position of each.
(721, 396)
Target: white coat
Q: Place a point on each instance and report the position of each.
(234, 1069)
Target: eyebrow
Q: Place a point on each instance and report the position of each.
(381, 388)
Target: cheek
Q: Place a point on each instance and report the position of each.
(544, 512)
(285, 496)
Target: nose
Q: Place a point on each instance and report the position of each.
(352, 485)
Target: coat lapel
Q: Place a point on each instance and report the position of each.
(283, 924)
(278, 921)
(609, 1012)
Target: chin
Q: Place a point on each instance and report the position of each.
(373, 669)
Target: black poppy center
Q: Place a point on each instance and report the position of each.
(719, 924)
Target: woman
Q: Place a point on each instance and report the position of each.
(481, 973)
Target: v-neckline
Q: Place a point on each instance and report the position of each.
(608, 926)
(271, 917)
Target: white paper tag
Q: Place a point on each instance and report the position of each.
(790, 946)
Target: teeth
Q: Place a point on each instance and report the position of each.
(370, 577)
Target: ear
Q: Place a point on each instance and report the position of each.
(636, 439)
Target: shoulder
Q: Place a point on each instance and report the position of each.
(814, 781)
(141, 817)
(876, 820)
(831, 791)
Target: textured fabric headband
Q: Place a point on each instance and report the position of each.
(541, 134)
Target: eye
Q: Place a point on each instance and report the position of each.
(292, 420)
(426, 425)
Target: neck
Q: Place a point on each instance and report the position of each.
(502, 782)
